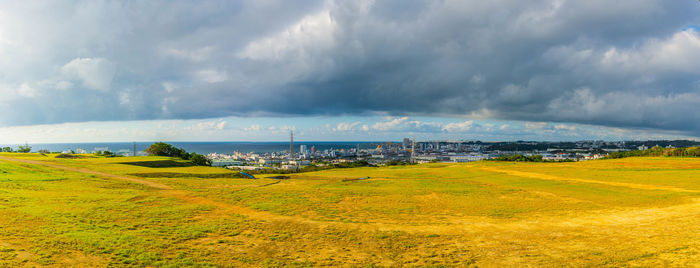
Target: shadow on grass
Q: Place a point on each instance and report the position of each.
(187, 175)
(158, 164)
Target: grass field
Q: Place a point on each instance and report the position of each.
(155, 211)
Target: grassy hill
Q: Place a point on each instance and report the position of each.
(158, 211)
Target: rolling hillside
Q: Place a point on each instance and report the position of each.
(155, 211)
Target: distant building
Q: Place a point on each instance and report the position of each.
(224, 162)
(299, 162)
(245, 167)
(267, 161)
(289, 167)
(468, 158)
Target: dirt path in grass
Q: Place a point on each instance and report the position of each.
(453, 225)
(169, 191)
(541, 176)
(151, 184)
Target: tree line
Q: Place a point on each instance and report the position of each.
(20, 149)
(658, 151)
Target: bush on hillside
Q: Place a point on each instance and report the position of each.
(164, 149)
(199, 160)
(24, 149)
(106, 154)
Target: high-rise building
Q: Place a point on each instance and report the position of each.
(302, 149)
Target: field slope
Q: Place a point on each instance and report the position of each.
(156, 211)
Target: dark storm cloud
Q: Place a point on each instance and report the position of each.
(621, 63)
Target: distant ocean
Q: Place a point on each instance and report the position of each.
(203, 147)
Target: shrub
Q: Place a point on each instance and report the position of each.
(105, 153)
(164, 149)
(24, 149)
(199, 160)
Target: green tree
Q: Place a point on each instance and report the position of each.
(24, 148)
(199, 160)
(164, 149)
(7, 149)
(107, 154)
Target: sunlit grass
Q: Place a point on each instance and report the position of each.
(622, 212)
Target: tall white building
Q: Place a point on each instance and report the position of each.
(302, 149)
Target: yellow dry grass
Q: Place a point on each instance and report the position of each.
(626, 212)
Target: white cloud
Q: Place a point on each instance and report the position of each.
(459, 127)
(195, 55)
(63, 85)
(255, 128)
(565, 127)
(95, 73)
(390, 124)
(124, 98)
(211, 75)
(679, 53)
(345, 126)
(311, 31)
(10, 92)
(210, 125)
(535, 125)
(169, 87)
(477, 79)
(221, 125)
(26, 91)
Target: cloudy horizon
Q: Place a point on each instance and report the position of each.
(75, 71)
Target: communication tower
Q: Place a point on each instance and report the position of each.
(291, 144)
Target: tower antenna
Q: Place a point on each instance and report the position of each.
(413, 149)
(291, 143)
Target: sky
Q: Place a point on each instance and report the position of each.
(93, 71)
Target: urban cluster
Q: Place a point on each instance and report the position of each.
(411, 151)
